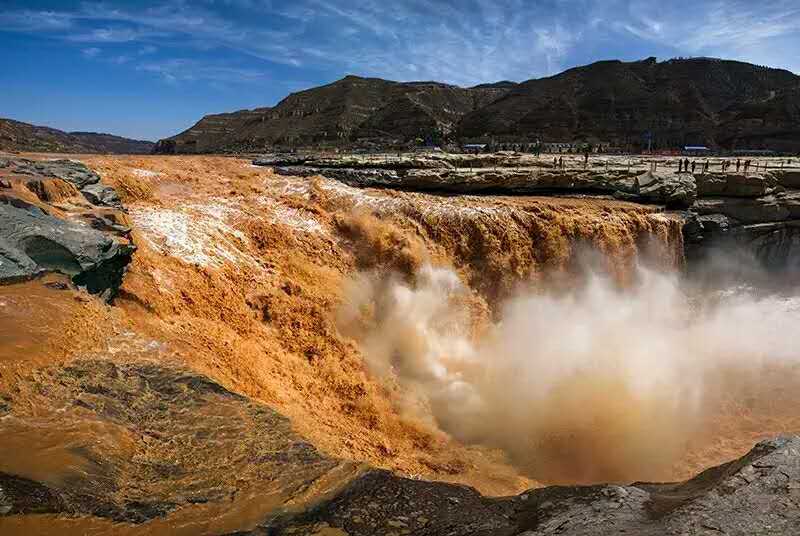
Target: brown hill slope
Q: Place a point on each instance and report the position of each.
(349, 110)
(19, 136)
(685, 101)
(679, 102)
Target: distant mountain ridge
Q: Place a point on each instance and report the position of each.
(19, 136)
(668, 104)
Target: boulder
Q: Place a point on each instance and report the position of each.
(675, 190)
(735, 185)
(83, 178)
(788, 178)
(69, 170)
(33, 242)
(101, 195)
(769, 208)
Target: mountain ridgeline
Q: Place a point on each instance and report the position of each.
(18, 136)
(627, 105)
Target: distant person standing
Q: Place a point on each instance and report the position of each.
(738, 164)
(686, 165)
(680, 166)
(694, 163)
(561, 162)
(555, 162)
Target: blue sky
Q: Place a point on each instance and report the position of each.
(150, 69)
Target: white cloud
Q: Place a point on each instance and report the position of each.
(180, 69)
(91, 52)
(463, 42)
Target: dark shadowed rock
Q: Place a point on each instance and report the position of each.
(36, 238)
(33, 242)
(757, 494)
(102, 195)
(20, 495)
(789, 178)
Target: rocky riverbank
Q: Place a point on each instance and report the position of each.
(57, 216)
(757, 213)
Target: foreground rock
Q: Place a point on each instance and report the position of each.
(139, 441)
(55, 216)
(176, 446)
(756, 494)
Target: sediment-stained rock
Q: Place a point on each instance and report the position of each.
(46, 227)
(169, 439)
(84, 179)
(33, 242)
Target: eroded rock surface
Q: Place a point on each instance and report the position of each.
(141, 440)
(671, 189)
(47, 226)
(757, 494)
(84, 179)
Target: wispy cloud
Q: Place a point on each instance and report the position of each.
(178, 70)
(91, 52)
(458, 41)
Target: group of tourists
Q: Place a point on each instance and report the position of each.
(686, 166)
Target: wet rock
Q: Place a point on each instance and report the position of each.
(171, 439)
(20, 495)
(43, 229)
(33, 242)
(102, 195)
(756, 494)
(83, 178)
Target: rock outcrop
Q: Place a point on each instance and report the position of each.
(756, 494)
(675, 190)
(56, 216)
(83, 178)
(180, 431)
